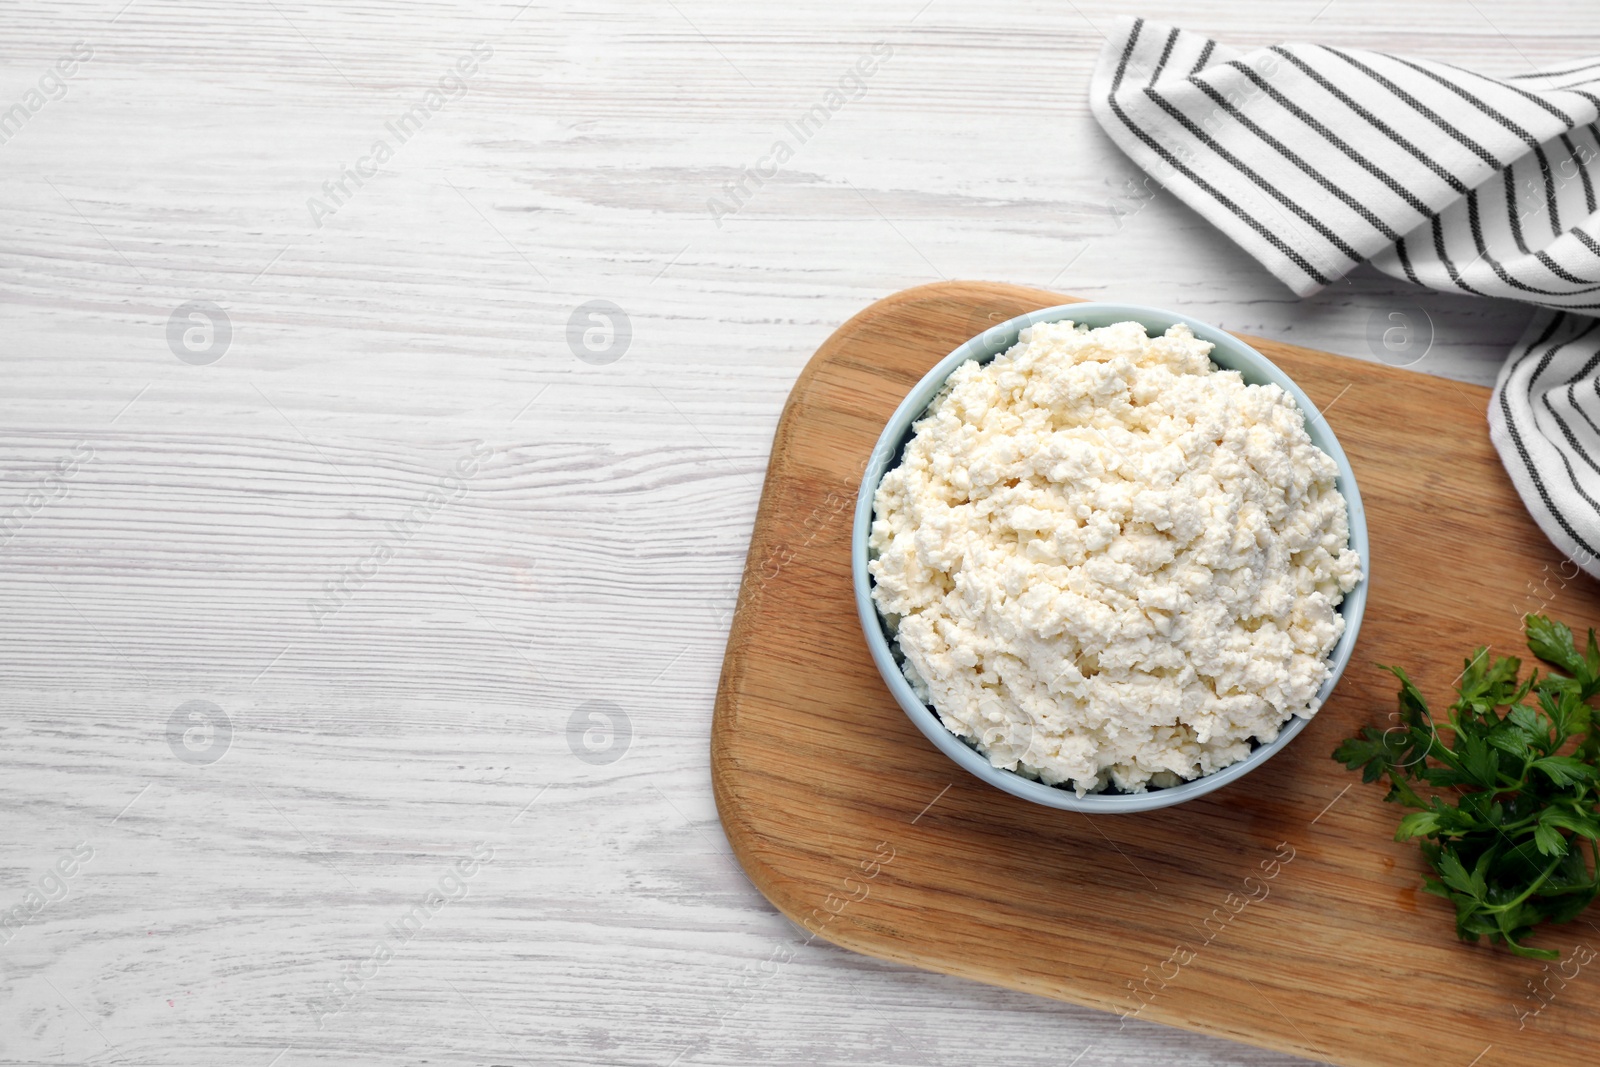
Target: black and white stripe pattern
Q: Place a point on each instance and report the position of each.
(1315, 159)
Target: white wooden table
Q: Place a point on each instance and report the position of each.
(316, 602)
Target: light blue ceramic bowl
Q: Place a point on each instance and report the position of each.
(1230, 352)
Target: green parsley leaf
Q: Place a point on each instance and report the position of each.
(1549, 840)
(1503, 798)
(1553, 642)
(1565, 770)
(1417, 824)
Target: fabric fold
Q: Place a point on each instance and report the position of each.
(1315, 159)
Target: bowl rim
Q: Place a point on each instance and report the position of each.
(1237, 355)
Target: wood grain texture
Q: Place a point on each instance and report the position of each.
(1277, 910)
(595, 557)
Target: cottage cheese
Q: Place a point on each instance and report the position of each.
(1107, 562)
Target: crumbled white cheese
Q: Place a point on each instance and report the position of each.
(1107, 562)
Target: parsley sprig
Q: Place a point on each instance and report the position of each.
(1506, 810)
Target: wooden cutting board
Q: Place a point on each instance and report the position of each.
(1277, 910)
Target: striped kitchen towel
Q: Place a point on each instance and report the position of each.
(1315, 159)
